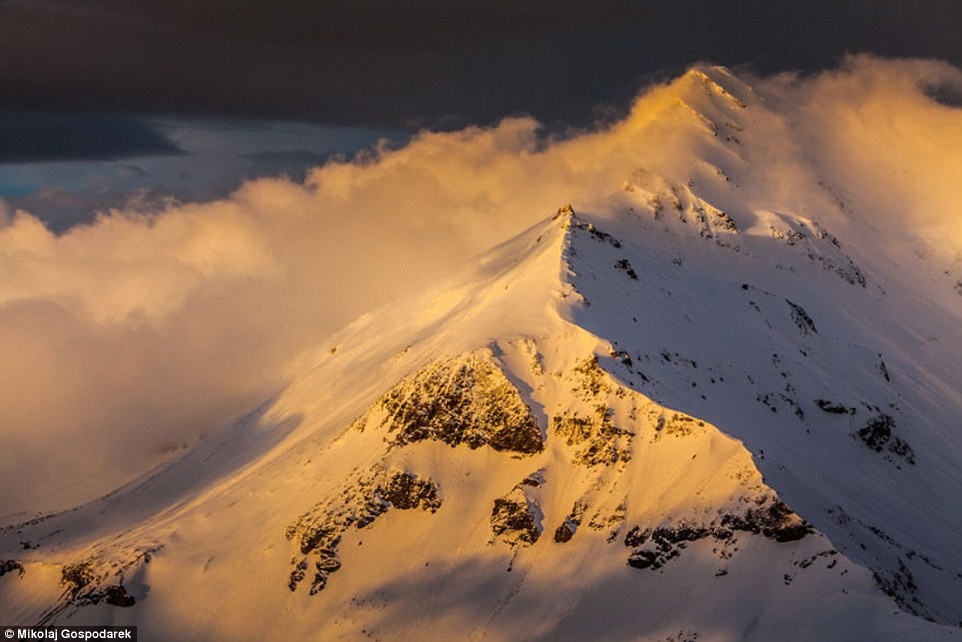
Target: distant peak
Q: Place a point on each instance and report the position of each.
(565, 211)
(720, 81)
(566, 214)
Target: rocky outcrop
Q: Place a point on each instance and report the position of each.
(516, 517)
(467, 400)
(99, 578)
(595, 438)
(833, 407)
(363, 499)
(768, 517)
(625, 266)
(879, 435)
(570, 221)
(804, 322)
(677, 425)
(589, 379)
(9, 566)
(570, 525)
(84, 585)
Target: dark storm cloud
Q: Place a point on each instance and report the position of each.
(38, 137)
(376, 63)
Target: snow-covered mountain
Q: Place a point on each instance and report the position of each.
(704, 409)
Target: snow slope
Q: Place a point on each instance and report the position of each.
(699, 410)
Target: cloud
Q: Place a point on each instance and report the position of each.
(57, 136)
(883, 135)
(144, 330)
(217, 156)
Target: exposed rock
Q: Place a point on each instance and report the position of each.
(622, 356)
(362, 500)
(773, 519)
(598, 235)
(878, 434)
(833, 407)
(596, 439)
(625, 266)
(565, 531)
(573, 222)
(883, 369)
(405, 491)
(590, 378)
(900, 586)
(9, 566)
(724, 221)
(516, 518)
(655, 547)
(677, 425)
(564, 211)
(801, 319)
(789, 236)
(570, 525)
(84, 586)
(298, 574)
(613, 521)
(118, 596)
(769, 517)
(76, 577)
(467, 400)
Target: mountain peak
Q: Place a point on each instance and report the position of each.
(691, 394)
(718, 81)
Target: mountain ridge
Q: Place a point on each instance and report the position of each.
(575, 385)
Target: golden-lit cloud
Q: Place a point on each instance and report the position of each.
(140, 332)
(873, 130)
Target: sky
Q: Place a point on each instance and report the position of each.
(194, 195)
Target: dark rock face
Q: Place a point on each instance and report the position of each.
(775, 521)
(76, 577)
(900, 586)
(625, 266)
(9, 566)
(724, 221)
(596, 438)
(516, 517)
(833, 407)
(463, 401)
(405, 491)
(653, 548)
(118, 596)
(318, 532)
(565, 532)
(570, 525)
(804, 322)
(662, 543)
(883, 369)
(878, 434)
(571, 221)
(83, 587)
(591, 379)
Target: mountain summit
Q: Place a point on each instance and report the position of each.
(692, 412)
